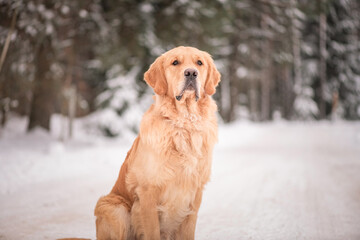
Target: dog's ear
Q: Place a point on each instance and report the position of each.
(155, 77)
(213, 76)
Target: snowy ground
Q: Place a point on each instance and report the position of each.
(272, 181)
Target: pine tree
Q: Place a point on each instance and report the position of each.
(343, 59)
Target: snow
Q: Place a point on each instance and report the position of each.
(270, 181)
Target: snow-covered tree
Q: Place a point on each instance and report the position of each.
(296, 58)
(120, 106)
(344, 59)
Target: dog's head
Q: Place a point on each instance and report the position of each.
(183, 71)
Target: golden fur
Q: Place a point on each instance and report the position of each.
(159, 189)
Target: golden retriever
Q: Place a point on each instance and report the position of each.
(159, 189)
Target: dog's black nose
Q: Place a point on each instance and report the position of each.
(190, 72)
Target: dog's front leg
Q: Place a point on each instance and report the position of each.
(187, 227)
(148, 199)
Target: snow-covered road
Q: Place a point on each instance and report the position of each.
(272, 181)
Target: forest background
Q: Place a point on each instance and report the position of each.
(279, 59)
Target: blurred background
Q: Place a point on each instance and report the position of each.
(279, 59)
(72, 95)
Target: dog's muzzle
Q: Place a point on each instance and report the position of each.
(190, 76)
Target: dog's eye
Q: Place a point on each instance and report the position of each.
(199, 63)
(176, 62)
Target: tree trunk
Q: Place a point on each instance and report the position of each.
(233, 80)
(265, 75)
(72, 109)
(265, 96)
(322, 60)
(295, 36)
(4, 109)
(5, 102)
(43, 89)
(287, 95)
(253, 100)
(8, 39)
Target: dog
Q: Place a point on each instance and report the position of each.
(159, 188)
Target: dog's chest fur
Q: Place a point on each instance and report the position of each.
(185, 161)
(179, 163)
